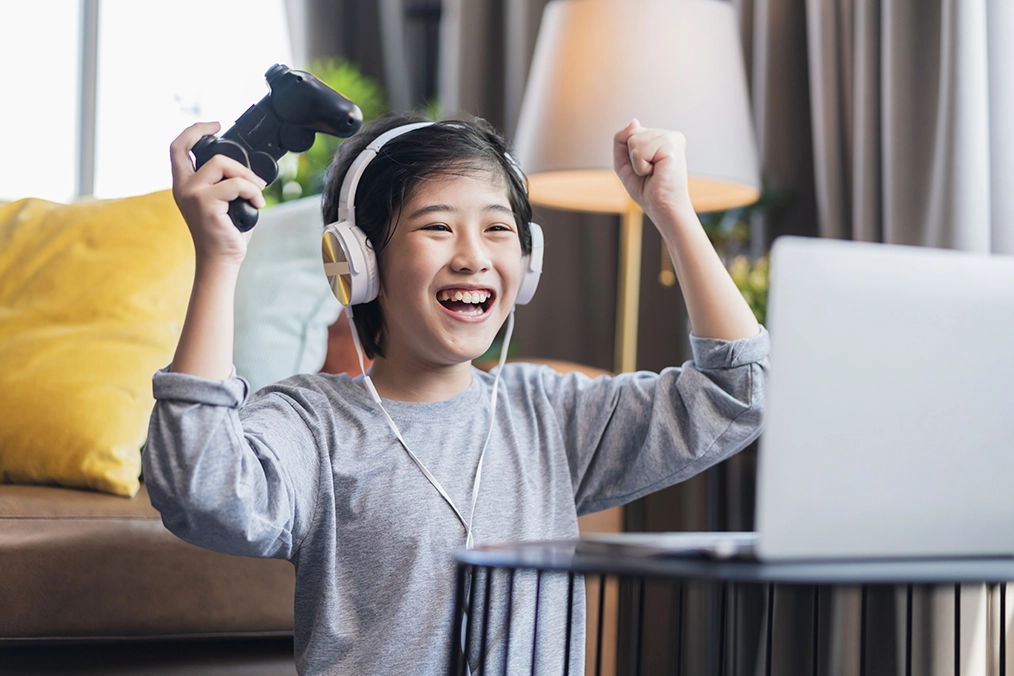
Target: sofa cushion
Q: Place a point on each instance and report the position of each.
(92, 300)
(81, 565)
(284, 304)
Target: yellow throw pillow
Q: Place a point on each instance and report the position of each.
(92, 300)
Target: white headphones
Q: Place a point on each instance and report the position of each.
(350, 262)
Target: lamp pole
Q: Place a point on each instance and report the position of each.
(628, 297)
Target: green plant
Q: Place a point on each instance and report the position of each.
(751, 278)
(303, 174)
(433, 109)
(729, 232)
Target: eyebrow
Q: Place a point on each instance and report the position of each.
(449, 208)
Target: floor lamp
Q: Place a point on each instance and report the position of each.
(673, 64)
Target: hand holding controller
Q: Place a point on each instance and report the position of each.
(297, 106)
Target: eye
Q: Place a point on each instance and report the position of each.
(500, 227)
(437, 227)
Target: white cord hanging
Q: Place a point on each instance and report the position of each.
(469, 541)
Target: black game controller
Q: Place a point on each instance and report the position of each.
(297, 106)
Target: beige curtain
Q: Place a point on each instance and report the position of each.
(350, 29)
(912, 119)
(774, 48)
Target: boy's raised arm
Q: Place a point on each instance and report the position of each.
(652, 165)
(205, 346)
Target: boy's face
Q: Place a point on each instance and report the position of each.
(451, 270)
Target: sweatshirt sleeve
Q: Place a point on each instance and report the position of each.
(234, 479)
(636, 433)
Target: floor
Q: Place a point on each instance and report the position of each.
(207, 657)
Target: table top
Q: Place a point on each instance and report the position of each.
(593, 558)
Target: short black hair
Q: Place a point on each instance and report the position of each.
(446, 148)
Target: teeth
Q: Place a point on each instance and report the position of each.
(476, 296)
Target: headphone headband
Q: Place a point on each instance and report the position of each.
(346, 197)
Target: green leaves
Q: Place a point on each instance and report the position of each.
(751, 278)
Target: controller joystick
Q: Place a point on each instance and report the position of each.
(287, 119)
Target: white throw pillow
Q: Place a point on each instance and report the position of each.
(283, 302)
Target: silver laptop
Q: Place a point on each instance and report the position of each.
(890, 426)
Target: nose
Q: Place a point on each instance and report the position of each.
(470, 253)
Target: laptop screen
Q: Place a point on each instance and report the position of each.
(890, 429)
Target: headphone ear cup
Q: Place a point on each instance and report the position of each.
(531, 266)
(349, 264)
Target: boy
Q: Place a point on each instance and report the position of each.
(368, 484)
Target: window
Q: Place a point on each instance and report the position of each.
(38, 117)
(161, 67)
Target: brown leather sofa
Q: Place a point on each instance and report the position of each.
(94, 584)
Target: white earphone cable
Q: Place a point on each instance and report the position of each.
(469, 542)
(492, 413)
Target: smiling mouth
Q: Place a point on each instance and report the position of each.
(469, 302)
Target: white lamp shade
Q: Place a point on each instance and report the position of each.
(673, 64)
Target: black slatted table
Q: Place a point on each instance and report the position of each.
(568, 559)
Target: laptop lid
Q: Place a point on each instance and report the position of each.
(890, 428)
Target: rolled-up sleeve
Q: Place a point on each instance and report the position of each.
(636, 433)
(239, 480)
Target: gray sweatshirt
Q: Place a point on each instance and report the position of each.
(307, 470)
